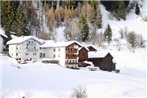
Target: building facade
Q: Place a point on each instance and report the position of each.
(65, 52)
(24, 48)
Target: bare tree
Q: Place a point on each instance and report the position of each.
(131, 38)
(72, 30)
(140, 40)
(44, 36)
(79, 92)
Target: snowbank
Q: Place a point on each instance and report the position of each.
(39, 80)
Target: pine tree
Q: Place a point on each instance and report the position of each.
(32, 21)
(84, 29)
(117, 8)
(108, 33)
(137, 9)
(19, 22)
(98, 16)
(121, 9)
(8, 9)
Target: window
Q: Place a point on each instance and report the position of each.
(40, 54)
(59, 49)
(54, 49)
(44, 55)
(75, 60)
(16, 54)
(54, 55)
(16, 48)
(26, 54)
(34, 53)
(34, 47)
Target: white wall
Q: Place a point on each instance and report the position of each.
(32, 53)
(12, 51)
(60, 55)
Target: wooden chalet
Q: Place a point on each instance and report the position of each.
(83, 54)
(102, 60)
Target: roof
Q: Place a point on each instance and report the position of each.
(93, 54)
(22, 39)
(83, 47)
(59, 44)
(91, 46)
(88, 46)
(2, 32)
(48, 43)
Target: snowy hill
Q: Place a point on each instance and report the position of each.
(133, 22)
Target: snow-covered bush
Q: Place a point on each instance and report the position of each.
(79, 92)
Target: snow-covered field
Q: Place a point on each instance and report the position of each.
(50, 80)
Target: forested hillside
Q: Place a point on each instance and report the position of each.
(81, 19)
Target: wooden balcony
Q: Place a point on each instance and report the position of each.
(71, 56)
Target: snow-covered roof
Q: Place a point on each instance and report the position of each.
(83, 47)
(2, 32)
(95, 54)
(59, 44)
(48, 43)
(91, 46)
(21, 39)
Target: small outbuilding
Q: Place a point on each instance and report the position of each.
(83, 54)
(103, 60)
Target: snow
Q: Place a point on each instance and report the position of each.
(59, 44)
(60, 34)
(143, 8)
(48, 43)
(39, 80)
(132, 23)
(2, 32)
(97, 54)
(21, 39)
